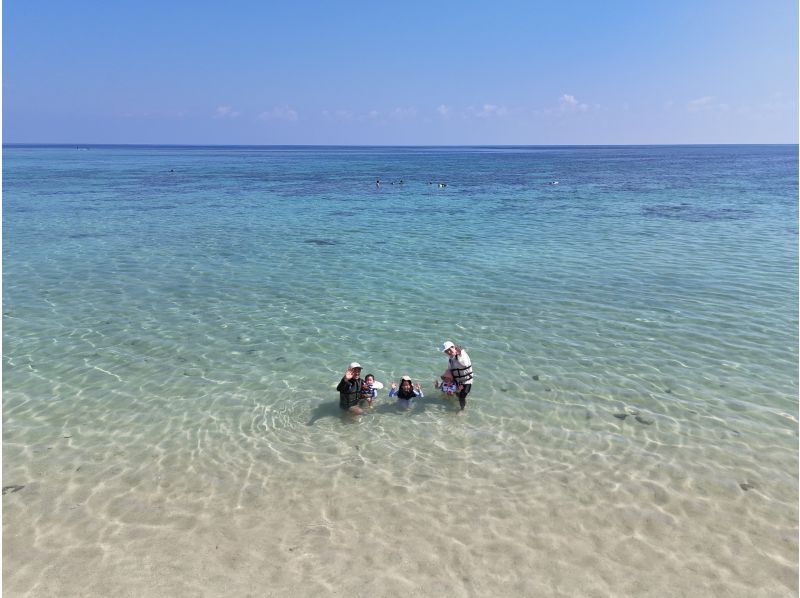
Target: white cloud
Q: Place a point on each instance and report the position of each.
(226, 112)
(485, 111)
(707, 104)
(340, 114)
(347, 115)
(279, 113)
(444, 111)
(779, 102)
(569, 103)
(699, 104)
(491, 110)
(403, 113)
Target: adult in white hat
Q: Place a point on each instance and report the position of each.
(460, 368)
(350, 389)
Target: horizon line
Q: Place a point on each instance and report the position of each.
(363, 145)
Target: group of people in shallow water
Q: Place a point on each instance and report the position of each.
(357, 394)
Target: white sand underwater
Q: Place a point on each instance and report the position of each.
(426, 504)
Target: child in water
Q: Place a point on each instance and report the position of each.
(406, 393)
(369, 389)
(447, 385)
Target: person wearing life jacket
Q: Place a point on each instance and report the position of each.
(447, 385)
(460, 368)
(350, 389)
(369, 390)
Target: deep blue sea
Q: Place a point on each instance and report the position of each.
(176, 319)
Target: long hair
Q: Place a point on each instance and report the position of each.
(406, 394)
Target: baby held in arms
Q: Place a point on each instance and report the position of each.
(447, 385)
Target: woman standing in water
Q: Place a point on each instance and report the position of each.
(460, 368)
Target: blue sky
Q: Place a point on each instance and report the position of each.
(427, 73)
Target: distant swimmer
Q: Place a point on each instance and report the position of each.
(378, 183)
(553, 183)
(442, 185)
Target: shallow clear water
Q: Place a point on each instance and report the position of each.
(181, 316)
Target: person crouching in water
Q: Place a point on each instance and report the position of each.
(350, 389)
(406, 393)
(460, 368)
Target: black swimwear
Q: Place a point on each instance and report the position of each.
(462, 395)
(349, 392)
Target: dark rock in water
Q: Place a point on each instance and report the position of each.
(11, 489)
(644, 420)
(621, 416)
(84, 235)
(691, 213)
(668, 391)
(535, 376)
(548, 389)
(156, 207)
(746, 486)
(321, 242)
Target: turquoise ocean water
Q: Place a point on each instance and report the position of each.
(177, 318)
